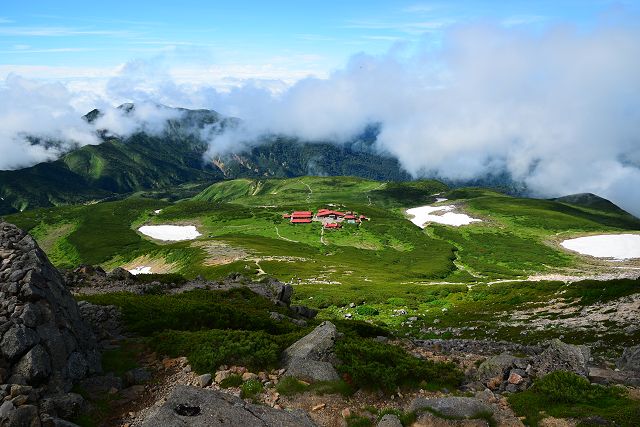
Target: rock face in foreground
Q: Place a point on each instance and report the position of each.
(198, 407)
(311, 358)
(43, 340)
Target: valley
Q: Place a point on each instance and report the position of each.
(493, 278)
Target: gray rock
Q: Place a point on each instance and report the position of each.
(455, 407)
(608, 376)
(119, 273)
(562, 357)
(303, 311)
(17, 341)
(630, 360)
(204, 380)
(67, 405)
(389, 420)
(5, 408)
(35, 366)
(137, 376)
(24, 416)
(311, 357)
(496, 366)
(197, 407)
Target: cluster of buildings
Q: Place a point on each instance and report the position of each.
(330, 219)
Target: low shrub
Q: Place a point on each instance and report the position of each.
(372, 364)
(355, 420)
(250, 389)
(288, 386)
(567, 395)
(206, 350)
(233, 380)
(366, 310)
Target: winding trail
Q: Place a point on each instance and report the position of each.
(284, 238)
(310, 191)
(322, 238)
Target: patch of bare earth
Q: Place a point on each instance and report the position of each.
(157, 265)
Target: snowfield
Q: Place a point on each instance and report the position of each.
(616, 246)
(140, 270)
(424, 214)
(173, 233)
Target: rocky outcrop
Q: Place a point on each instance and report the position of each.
(312, 358)
(389, 420)
(197, 407)
(44, 343)
(630, 360)
(560, 356)
(504, 373)
(452, 407)
(105, 321)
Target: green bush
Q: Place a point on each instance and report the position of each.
(289, 386)
(567, 395)
(567, 387)
(355, 420)
(372, 364)
(195, 310)
(366, 310)
(233, 380)
(206, 350)
(250, 389)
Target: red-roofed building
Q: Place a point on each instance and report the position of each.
(302, 214)
(300, 220)
(332, 225)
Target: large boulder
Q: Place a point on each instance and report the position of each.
(43, 340)
(197, 407)
(630, 360)
(496, 366)
(452, 407)
(560, 356)
(312, 358)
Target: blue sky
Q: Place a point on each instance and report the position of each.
(64, 39)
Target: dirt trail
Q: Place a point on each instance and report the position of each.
(310, 192)
(284, 238)
(322, 238)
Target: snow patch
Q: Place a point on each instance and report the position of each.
(172, 233)
(424, 214)
(616, 246)
(140, 270)
(157, 211)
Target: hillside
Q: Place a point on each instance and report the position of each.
(144, 161)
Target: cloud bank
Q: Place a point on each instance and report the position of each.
(558, 109)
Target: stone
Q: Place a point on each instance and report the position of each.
(35, 366)
(559, 356)
(24, 416)
(514, 378)
(119, 273)
(630, 360)
(5, 408)
(303, 311)
(455, 407)
(204, 380)
(311, 358)
(67, 405)
(248, 376)
(389, 420)
(137, 376)
(199, 407)
(609, 376)
(496, 366)
(222, 375)
(17, 341)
